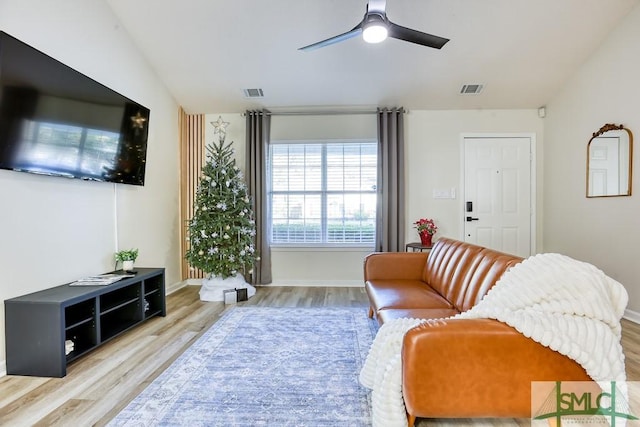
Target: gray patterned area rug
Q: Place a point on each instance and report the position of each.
(260, 366)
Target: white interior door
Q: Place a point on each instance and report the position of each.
(497, 187)
(604, 166)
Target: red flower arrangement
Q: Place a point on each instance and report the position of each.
(426, 229)
(426, 225)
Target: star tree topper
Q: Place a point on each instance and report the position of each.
(220, 126)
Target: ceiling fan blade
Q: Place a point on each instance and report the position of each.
(377, 6)
(418, 37)
(335, 39)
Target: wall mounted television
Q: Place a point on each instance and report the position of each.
(57, 121)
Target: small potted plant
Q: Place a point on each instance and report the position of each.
(127, 258)
(426, 229)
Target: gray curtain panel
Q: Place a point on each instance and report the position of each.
(390, 215)
(258, 136)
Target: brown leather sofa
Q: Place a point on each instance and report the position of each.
(462, 368)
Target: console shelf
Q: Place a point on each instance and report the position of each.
(38, 324)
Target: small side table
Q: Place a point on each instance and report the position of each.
(417, 247)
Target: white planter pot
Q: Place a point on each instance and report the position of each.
(127, 265)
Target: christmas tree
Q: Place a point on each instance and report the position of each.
(222, 229)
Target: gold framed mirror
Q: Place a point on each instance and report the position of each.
(609, 160)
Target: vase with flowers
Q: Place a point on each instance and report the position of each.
(426, 229)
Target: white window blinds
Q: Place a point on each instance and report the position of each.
(323, 192)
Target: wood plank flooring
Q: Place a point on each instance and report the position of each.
(103, 382)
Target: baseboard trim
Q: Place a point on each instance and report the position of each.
(319, 283)
(303, 283)
(632, 316)
(172, 288)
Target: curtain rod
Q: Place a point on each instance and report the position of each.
(319, 113)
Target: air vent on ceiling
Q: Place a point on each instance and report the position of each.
(253, 93)
(471, 89)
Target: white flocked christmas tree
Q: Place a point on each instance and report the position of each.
(222, 229)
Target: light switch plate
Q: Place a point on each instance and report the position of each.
(444, 193)
(440, 194)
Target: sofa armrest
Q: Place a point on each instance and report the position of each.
(395, 265)
(476, 368)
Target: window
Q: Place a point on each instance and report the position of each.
(323, 193)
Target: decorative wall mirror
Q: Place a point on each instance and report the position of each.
(609, 157)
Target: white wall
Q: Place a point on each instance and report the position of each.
(54, 230)
(434, 160)
(602, 231)
(433, 156)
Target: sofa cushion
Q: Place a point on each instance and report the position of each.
(388, 314)
(463, 273)
(405, 293)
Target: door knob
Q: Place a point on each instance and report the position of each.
(469, 219)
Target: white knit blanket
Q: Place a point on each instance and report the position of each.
(567, 305)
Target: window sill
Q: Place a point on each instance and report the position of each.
(324, 248)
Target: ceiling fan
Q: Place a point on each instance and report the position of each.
(375, 27)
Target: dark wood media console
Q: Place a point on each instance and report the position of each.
(38, 324)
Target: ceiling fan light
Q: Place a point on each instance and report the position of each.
(375, 33)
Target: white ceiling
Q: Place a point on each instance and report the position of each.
(523, 51)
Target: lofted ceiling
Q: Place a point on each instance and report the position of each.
(521, 51)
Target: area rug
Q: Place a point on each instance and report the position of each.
(260, 366)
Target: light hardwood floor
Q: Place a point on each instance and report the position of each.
(100, 384)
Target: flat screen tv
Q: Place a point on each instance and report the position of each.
(57, 121)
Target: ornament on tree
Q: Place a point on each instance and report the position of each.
(222, 229)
